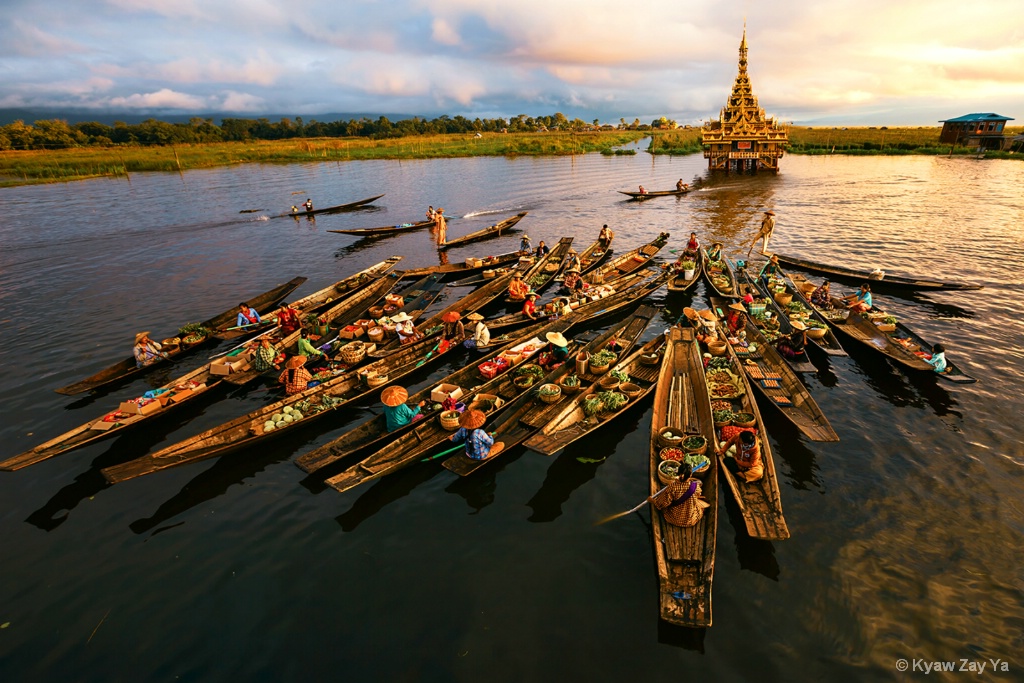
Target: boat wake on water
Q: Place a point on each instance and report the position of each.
(492, 212)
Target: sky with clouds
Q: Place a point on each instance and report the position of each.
(903, 62)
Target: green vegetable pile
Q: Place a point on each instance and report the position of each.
(549, 390)
(591, 406)
(192, 330)
(720, 363)
(612, 400)
(723, 416)
(696, 462)
(571, 381)
(529, 370)
(620, 375)
(694, 442)
(603, 357)
(312, 406)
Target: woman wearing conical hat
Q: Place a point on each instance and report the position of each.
(146, 350)
(479, 444)
(295, 378)
(481, 335)
(397, 412)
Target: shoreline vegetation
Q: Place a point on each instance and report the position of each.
(70, 163)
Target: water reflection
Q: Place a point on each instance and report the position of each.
(910, 388)
(754, 554)
(384, 492)
(803, 467)
(478, 489)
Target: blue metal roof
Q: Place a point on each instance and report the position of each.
(968, 118)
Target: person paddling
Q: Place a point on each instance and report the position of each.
(767, 228)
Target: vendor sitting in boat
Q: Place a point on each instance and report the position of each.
(715, 252)
(530, 307)
(481, 335)
(693, 244)
(308, 204)
(573, 282)
(147, 351)
(404, 328)
(453, 330)
(681, 502)
(736, 319)
(643, 190)
(288, 319)
(306, 347)
(560, 307)
(860, 302)
(247, 315)
(525, 245)
(707, 326)
(295, 378)
(680, 186)
(771, 269)
(517, 289)
(263, 356)
(938, 359)
(822, 296)
(479, 444)
(396, 412)
(542, 250)
(557, 351)
(746, 456)
(572, 260)
(792, 345)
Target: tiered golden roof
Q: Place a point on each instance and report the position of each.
(743, 133)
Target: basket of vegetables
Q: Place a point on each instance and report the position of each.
(743, 420)
(193, 333)
(591, 406)
(699, 464)
(524, 381)
(668, 471)
(816, 330)
(695, 444)
(601, 361)
(670, 437)
(887, 324)
(723, 418)
(611, 403)
(353, 352)
(376, 380)
(650, 359)
(450, 420)
(549, 393)
(570, 384)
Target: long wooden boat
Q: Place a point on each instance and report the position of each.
(760, 502)
(407, 444)
(528, 413)
(318, 300)
(314, 404)
(769, 373)
(464, 306)
(543, 273)
(387, 230)
(684, 556)
(572, 424)
(655, 193)
(590, 258)
(677, 281)
(719, 276)
(463, 268)
(628, 262)
(496, 230)
(127, 368)
(827, 344)
(901, 345)
(895, 283)
(773, 328)
(331, 209)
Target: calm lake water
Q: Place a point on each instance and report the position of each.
(906, 535)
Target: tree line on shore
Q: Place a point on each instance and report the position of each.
(59, 134)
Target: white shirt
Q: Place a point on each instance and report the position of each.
(482, 335)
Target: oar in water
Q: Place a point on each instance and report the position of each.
(627, 512)
(446, 452)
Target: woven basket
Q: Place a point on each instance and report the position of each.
(717, 348)
(736, 422)
(665, 478)
(550, 398)
(631, 390)
(450, 420)
(698, 451)
(599, 369)
(376, 312)
(817, 332)
(353, 352)
(567, 390)
(376, 380)
(807, 288)
(670, 443)
(608, 383)
(783, 298)
(650, 359)
(375, 334)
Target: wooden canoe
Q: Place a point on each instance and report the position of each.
(528, 413)
(572, 424)
(127, 368)
(450, 270)
(543, 273)
(892, 283)
(684, 556)
(318, 300)
(315, 403)
(628, 262)
(331, 209)
(496, 230)
(677, 281)
(898, 345)
(387, 230)
(827, 344)
(760, 502)
(772, 330)
(408, 444)
(590, 258)
(766, 366)
(655, 193)
(719, 276)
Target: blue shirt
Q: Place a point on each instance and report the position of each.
(864, 297)
(938, 361)
(399, 416)
(478, 442)
(242, 320)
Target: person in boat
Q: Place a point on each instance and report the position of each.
(396, 412)
(306, 348)
(860, 302)
(792, 346)
(430, 213)
(557, 351)
(453, 330)
(481, 335)
(295, 209)
(766, 231)
(308, 204)
(542, 250)
(288, 319)
(746, 455)
(605, 237)
(693, 244)
(442, 226)
(706, 324)
(525, 245)
(479, 444)
(264, 355)
(573, 282)
(147, 351)
(643, 190)
(572, 260)
(715, 252)
(247, 315)
(681, 502)
(736, 319)
(677, 265)
(561, 307)
(295, 377)
(822, 296)
(530, 307)
(680, 185)
(938, 359)
(517, 289)
(404, 328)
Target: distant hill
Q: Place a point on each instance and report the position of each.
(73, 116)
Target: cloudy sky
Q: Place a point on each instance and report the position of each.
(844, 61)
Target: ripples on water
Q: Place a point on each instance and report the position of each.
(906, 534)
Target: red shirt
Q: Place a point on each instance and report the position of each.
(530, 307)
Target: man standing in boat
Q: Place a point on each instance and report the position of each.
(308, 204)
(767, 228)
(605, 238)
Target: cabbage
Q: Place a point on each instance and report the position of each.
(277, 417)
(288, 409)
(280, 423)
(296, 415)
(269, 426)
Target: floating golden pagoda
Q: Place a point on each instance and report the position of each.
(743, 138)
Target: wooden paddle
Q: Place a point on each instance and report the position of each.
(630, 511)
(446, 452)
